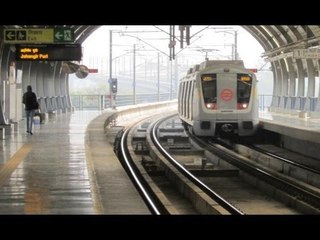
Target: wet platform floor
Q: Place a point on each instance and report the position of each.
(48, 173)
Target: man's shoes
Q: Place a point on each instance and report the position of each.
(30, 132)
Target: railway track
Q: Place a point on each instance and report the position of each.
(160, 152)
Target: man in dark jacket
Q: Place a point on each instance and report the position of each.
(31, 104)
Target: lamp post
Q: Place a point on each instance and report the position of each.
(134, 64)
(134, 49)
(170, 80)
(112, 95)
(134, 74)
(158, 76)
(110, 65)
(236, 45)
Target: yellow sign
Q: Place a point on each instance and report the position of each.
(50, 52)
(40, 35)
(207, 78)
(245, 78)
(34, 35)
(32, 54)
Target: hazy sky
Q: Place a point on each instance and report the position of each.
(217, 41)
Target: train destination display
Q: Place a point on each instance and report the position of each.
(49, 52)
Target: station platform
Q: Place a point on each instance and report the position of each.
(302, 128)
(66, 167)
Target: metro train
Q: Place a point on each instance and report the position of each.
(218, 98)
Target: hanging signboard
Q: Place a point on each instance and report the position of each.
(38, 35)
(307, 53)
(49, 52)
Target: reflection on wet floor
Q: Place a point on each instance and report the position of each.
(52, 178)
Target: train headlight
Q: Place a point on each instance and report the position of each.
(211, 105)
(242, 105)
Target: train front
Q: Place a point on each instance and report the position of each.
(229, 103)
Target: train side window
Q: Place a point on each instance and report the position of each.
(244, 83)
(209, 87)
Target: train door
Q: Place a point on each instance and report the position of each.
(191, 99)
(226, 92)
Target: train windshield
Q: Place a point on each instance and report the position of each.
(244, 84)
(209, 90)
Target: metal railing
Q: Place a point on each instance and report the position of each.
(94, 102)
(264, 102)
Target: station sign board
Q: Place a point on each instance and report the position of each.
(278, 57)
(38, 35)
(48, 52)
(313, 53)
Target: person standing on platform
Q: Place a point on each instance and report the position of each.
(31, 104)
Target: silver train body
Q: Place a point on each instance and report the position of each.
(219, 98)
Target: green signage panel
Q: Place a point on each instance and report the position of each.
(38, 35)
(63, 35)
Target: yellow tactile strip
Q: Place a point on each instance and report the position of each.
(12, 164)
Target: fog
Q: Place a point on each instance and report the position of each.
(148, 47)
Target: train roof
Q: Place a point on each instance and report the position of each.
(193, 69)
(209, 63)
